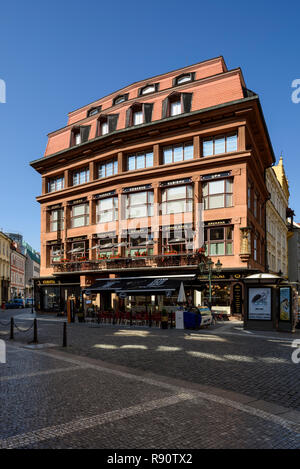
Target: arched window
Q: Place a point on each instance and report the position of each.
(149, 88)
(93, 111)
(121, 98)
(184, 78)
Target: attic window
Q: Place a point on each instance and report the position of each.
(120, 99)
(184, 78)
(147, 89)
(80, 135)
(93, 111)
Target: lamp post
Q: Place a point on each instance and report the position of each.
(207, 266)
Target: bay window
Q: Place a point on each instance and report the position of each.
(80, 215)
(220, 144)
(139, 204)
(107, 210)
(217, 194)
(177, 199)
(218, 240)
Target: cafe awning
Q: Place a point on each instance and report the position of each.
(137, 285)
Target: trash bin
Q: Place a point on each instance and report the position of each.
(191, 320)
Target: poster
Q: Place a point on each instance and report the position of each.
(284, 304)
(260, 304)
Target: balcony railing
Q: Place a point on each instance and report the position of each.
(165, 260)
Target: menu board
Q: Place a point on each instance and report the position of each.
(284, 303)
(259, 303)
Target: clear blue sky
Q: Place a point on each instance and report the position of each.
(56, 56)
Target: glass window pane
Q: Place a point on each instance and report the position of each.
(167, 155)
(188, 152)
(178, 153)
(106, 204)
(177, 193)
(228, 185)
(176, 206)
(216, 187)
(131, 162)
(78, 222)
(228, 200)
(229, 248)
(175, 108)
(137, 118)
(205, 189)
(229, 232)
(138, 198)
(216, 201)
(149, 160)
(101, 172)
(219, 145)
(208, 147)
(216, 234)
(115, 166)
(231, 143)
(78, 210)
(104, 128)
(189, 192)
(109, 168)
(140, 161)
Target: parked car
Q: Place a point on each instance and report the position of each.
(14, 304)
(28, 302)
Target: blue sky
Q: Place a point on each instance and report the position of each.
(56, 56)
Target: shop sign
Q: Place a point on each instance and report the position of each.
(137, 188)
(104, 195)
(176, 182)
(237, 298)
(78, 201)
(259, 304)
(217, 222)
(285, 304)
(79, 238)
(48, 282)
(215, 176)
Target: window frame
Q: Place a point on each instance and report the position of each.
(114, 210)
(84, 170)
(85, 215)
(225, 241)
(218, 137)
(183, 145)
(55, 180)
(53, 221)
(187, 200)
(105, 163)
(135, 156)
(225, 193)
(149, 205)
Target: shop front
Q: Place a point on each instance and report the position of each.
(51, 295)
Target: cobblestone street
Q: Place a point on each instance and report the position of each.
(122, 387)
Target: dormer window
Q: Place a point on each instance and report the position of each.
(139, 113)
(184, 78)
(107, 124)
(80, 135)
(93, 111)
(147, 89)
(176, 103)
(120, 99)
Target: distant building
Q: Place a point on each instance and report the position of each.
(5, 242)
(294, 256)
(276, 225)
(17, 272)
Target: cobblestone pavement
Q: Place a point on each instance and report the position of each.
(122, 387)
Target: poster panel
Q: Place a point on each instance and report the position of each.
(259, 304)
(285, 304)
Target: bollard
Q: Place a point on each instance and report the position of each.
(11, 329)
(65, 335)
(35, 336)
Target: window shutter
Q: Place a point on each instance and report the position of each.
(148, 107)
(84, 133)
(128, 117)
(187, 101)
(112, 122)
(165, 108)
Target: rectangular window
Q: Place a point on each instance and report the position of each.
(107, 210)
(56, 253)
(81, 176)
(104, 128)
(217, 194)
(219, 240)
(139, 204)
(249, 195)
(182, 152)
(138, 117)
(219, 145)
(255, 248)
(255, 205)
(140, 161)
(57, 220)
(108, 168)
(80, 215)
(56, 184)
(177, 199)
(175, 108)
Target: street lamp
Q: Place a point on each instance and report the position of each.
(208, 267)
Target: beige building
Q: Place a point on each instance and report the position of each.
(277, 230)
(4, 267)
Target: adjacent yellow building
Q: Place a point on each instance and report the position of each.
(277, 230)
(5, 243)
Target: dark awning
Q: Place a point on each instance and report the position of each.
(135, 286)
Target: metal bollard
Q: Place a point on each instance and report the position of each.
(35, 335)
(65, 335)
(12, 324)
